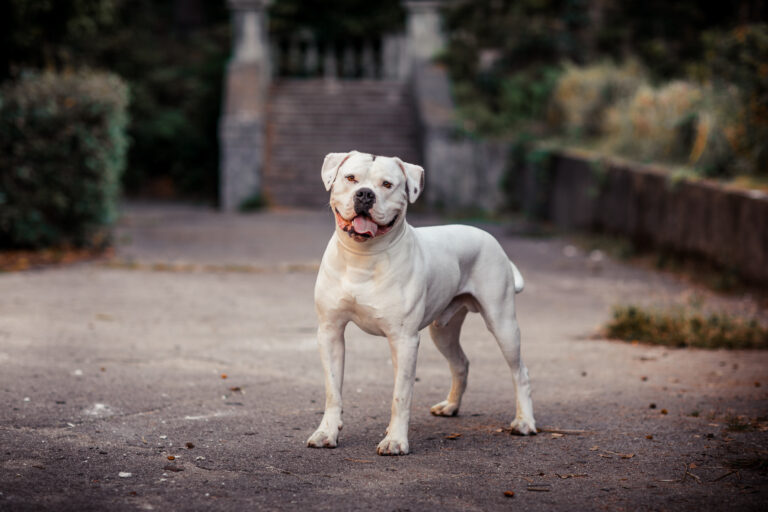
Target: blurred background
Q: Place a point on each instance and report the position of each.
(234, 104)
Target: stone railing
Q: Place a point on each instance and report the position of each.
(301, 56)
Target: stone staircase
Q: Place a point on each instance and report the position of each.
(306, 119)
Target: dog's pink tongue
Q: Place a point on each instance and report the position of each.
(364, 225)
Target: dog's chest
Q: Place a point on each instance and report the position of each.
(366, 301)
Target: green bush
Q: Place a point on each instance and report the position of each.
(172, 55)
(62, 151)
(740, 58)
(518, 100)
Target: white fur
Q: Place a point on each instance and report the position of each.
(400, 282)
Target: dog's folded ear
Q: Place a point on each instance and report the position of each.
(414, 179)
(331, 166)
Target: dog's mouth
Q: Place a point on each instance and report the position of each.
(362, 227)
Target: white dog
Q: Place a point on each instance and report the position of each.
(393, 280)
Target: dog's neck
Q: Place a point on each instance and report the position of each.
(375, 245)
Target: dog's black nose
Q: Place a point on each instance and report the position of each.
(365, 194)
(364, 199)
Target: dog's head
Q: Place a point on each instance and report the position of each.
(369, 194)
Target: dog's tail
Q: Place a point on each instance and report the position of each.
(519, 281)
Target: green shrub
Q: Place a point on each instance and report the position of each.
(740, 58)
(62, 150)
(172, 55)
(503, 104)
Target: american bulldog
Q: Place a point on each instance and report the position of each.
(393, 280)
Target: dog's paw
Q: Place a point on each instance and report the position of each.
(392, 446)
(445, 408)
(523, 427)
(323, 439)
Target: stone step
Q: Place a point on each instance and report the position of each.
(306, 119)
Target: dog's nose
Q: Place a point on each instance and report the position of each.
(365, 194)
(364, 199)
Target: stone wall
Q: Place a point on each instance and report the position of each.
(462, 173)
(725, 225)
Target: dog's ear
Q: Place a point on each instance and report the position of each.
(331, 166)
(414, 179)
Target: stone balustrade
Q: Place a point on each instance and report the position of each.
(301, 56)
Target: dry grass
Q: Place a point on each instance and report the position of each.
(583, 95)
(686, 327)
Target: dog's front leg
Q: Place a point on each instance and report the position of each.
(404, 352)
(330, 340)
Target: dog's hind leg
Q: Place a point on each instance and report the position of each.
(445, 335)
(501, 321)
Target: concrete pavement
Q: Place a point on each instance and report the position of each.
(110, 369)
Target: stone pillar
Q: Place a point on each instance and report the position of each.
(242, 125)
(423, 29)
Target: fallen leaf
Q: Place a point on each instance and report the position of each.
(509, 494)
(171, 457)
(453, 437)
(223, 375)
(649, 436)
(664, 411)
(235, 389)
(622, 455)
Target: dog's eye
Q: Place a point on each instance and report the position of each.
(351, 178)
(386, 184)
